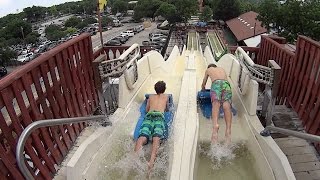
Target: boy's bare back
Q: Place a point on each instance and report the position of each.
(216, 73)
(157, 102)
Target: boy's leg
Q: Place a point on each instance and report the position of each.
(215, 115)
(228, 119)
(154, 151)
(140, 142)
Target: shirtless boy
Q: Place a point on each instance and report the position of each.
(153, 123)
(221, 94)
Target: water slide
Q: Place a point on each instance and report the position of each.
(107, 153)
(217, 46)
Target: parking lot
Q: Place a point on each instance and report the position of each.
(137, 38)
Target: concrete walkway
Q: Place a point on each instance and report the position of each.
(302, 156)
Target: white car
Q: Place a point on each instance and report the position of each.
(128, 33)
(157, 37)
(25, 57)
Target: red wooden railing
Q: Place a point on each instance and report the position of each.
(114, 52)
(299, 79)
(272, 50)
(304, 94)
(58, 84)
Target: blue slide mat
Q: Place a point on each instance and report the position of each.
(168, 115)
(204, 101)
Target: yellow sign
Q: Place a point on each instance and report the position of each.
(102, 4)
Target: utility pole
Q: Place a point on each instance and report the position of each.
(22, 34)
(99, 21)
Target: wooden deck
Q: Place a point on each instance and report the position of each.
(302, 156)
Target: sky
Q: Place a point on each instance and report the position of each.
(14, 6)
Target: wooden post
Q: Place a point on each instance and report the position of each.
(273, 90)
(98, 82)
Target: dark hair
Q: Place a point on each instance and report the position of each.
(212, 65)
(160, 87)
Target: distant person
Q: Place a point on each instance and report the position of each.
(153, 124)
(220, 94)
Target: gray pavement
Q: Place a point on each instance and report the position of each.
(137, 38)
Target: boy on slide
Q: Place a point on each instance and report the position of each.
(153, 124)
(220, 94)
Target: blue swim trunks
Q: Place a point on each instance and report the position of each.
(153, 125)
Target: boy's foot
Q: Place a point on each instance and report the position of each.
(150, 166)
(228, 140)
(214, 137)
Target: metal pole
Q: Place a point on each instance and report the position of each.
(99, 21)
(43, 123)
(306, 136)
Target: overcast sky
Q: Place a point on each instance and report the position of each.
(14, 6)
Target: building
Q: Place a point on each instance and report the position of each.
(246, 29)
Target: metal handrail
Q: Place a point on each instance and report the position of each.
(44, 123)
(266, 132)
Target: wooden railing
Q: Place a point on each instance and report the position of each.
(304, 93)
(299, 79)
(113, 52)
(272, 50)
(57, 84)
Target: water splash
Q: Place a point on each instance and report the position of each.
(123, 163)
(222, 154)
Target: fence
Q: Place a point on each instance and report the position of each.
(58, 84)
(299, 79)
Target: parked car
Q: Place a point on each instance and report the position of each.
(113, 42)
(26, 57)
(128, 33)
(3, 71)
(153, 36)
(125, 36)
(160, 40)
(121, 39)
(157, 38)
(138, 28)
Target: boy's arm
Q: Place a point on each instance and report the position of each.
(204, 82)
(148, 105)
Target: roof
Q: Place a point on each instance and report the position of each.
(253, 41)
(246, 26)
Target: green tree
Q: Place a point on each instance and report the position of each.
(146, 8)
(6, 55)
(72, 22)
(53, 11)
(186, 8)
(106, 21)
(54, 32)
(35, 13)
(70, 30)
(32, 38)
(90, 20)
(206, 15)
(168, 11)
(119, 6)
(17, 29)
(227, 9)
(271, 19)
(82, 25)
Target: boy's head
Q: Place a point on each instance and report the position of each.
(160, 87)
(212, 65)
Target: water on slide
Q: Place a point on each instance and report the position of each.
(121, 162)
(220, 161)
